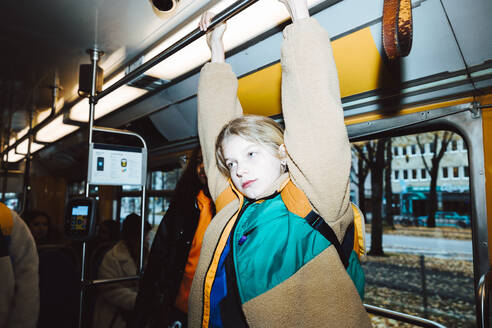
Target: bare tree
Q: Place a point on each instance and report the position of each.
(442, 139)
(374, 157)
(359, 177)
(388, 191)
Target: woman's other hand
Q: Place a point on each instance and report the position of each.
(298, 9)
(214, 37)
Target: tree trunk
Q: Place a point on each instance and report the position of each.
(377, 200)
(362, 175)
(388, 192)
(432, 205)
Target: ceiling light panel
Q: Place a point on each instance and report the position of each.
(13, 157)
(22, 132)
(121, 96)
(41, 116)
(256, 19)
(22, 147)
(54, 130)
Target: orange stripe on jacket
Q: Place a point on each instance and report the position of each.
(6, 222)
(190, 268)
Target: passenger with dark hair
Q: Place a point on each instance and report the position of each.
(163, 297)
(116, 300)
(108, 231)
(41, 228)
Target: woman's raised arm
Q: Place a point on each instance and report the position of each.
(217, 103)
(315, 136)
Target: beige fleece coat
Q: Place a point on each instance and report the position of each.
(115, 297)
(19, 274)
(320, 294)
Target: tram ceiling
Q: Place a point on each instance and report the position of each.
(50, 37)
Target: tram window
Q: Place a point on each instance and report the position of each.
(165, 180)
(131, 188)
(78, 188)
(157, 208)
(424, 264)
(11, 200)
(129, 205)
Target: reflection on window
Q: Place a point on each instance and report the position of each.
(78, 188)
(422, 262)
(166, 180)
(131, 188)
(129, 205)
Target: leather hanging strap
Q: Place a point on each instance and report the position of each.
(397, 28)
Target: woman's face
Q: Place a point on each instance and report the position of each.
(39, 228)
(253, 167)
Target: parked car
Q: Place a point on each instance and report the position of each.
(447, 219)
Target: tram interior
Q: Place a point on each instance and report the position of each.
(405, 116)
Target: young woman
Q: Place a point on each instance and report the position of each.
(262, 264)
(162, 300)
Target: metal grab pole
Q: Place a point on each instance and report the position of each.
(224, 15)
(144, 187)
(6, 159)
(95, 56)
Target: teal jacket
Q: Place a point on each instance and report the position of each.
(270, 244)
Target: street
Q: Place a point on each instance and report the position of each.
(434, 247)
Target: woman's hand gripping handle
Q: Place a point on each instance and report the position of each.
(214, 37)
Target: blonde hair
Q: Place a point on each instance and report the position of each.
(254, 128)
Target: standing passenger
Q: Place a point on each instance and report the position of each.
(262, 264)
(19, 288)
(163, 296)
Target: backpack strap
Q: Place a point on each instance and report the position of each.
(345, 248)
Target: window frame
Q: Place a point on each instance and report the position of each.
(460, 120)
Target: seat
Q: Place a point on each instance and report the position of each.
(58, 286)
